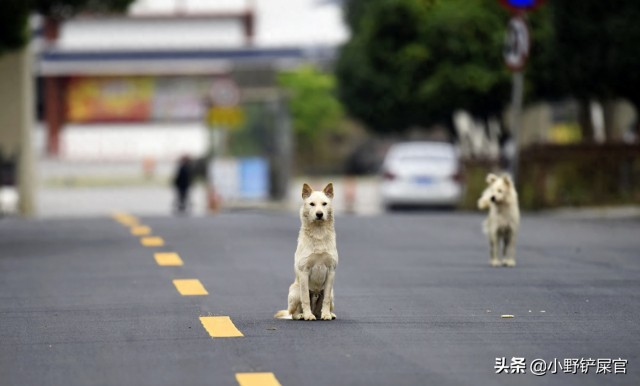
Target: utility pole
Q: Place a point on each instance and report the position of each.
(16, 124)
(516, 53)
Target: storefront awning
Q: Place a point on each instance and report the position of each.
(56, 62)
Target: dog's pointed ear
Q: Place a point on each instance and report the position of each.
(491, 178)
(328, 190)
(507, 180)
(306, 191)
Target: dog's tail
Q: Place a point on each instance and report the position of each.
(282, 314)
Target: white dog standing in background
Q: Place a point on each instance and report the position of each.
(501, 225)
(316, 259)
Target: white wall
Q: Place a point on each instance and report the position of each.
(278, 22)
(141, 34)
(132, 141)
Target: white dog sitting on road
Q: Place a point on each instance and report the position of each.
(316, 259)
(501, 225)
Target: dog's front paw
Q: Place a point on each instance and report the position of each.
(509, 262)
(296, 316)
(309, 316)
(327, 316)
(495, 263)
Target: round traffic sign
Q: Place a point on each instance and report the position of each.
(224, 92)
(521, 5)
(516, 44)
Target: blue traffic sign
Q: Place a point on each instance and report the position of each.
(521, 5)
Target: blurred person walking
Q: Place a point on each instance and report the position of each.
(182, 182)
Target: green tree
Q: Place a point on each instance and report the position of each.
(14, 14)
(466, 67)
(541, 78)
(596, 54)
(377, 68)
(626, 51)
(316, 112)
(62, 9)
(582, 43)
(313, 103)
(413, 62)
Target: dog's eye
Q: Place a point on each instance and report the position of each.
(324, 204)
(312, 204)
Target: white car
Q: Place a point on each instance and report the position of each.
(8, 200)
(421, 173)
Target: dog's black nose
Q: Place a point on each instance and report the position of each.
(493, 198)
(319, 214)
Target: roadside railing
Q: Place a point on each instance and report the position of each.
(566, 175)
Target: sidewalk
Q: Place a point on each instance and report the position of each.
(157, 199)
(591, 213)
(92, 189)
(99, 189)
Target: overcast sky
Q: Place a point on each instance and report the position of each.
(278, 23)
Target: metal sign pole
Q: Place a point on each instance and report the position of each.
(516, 52)
(223, 113)
(516, 119)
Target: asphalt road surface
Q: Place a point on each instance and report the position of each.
(83, 302)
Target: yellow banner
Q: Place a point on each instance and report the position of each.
(226, 117)
(109, 99)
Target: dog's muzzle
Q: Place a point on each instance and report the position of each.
(493, 198)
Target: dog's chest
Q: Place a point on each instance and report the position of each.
(502, 220)
(318, 244)
(503, 224)
(320, 247)
(317, 266)
(317, 277)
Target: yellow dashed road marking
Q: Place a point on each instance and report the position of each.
(189, 287)
(257, 379)
(120, 215)
(220, 327)
(129, 222)
(140, 230)
(152, 241)
(168, 258)
(125, 219)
